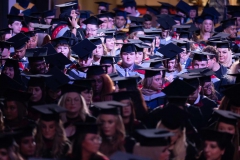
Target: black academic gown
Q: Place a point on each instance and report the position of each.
(222, 71)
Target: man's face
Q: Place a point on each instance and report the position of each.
(120, 21)
(128, 59)
(91, 30)
(232, 30)
(38, 67)
(199, 64)
(165, 33)
(20, 53)
(104, 25)
(16, 27)
(101, 8)
(192, 13)
(85, 62)
(48, 19)
(147, 24)
(192, 98)
(163, 11)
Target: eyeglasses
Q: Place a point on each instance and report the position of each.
(91, 30)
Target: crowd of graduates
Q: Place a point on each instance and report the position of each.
(120, 85)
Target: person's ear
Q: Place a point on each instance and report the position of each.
(199, 89)
(10, 26)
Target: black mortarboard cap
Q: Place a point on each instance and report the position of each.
(85, 14)
(29, 19)
(208, 17)
(126, 82)
(107, 60)
(11, 63)
(183, 7)
(84, 49)
(6, 140)
(36, 14)
(48, 13)
(198, 20)
(96, 70)
(154, 137)
(57, 79)
(222, 138)
(222, 44)
(201, 56)
(170, 50)
(118, 96)
(235, 14)
(5, 31)
(228, 117)
(155, 62)
(93, 20)
(84, 128)
(233, 93)
(185, 34)
(36, 54)
(173, 117)
(25, 131)
(191, 78)
(58, 60)
(166, 22)
(37, 80)
(152, 10)
(178, 89)
(136, 20)
(154, 32)
(129, 3)
(102, 15)
(120, 35)
(66, 7)
(51, 49)
(211, 11)
(165, 5)
(16, 95)
(121, 13)
(15, 18)
(183, 44)
(126, 156)
(95, 40)
(83, 83)
(19, 40)
(55, 21)
(229, 22)
(49, 112)
(7, 82)
(141, 46)
(104, 4)
(135, 29)
(30, 34)
(128, 48)
(109, 107)
(42, 28)
(150, 72)
(5, 44)
(146, 39)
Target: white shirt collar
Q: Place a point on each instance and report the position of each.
(197, 100)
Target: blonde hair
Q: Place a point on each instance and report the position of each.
(83, 112)
(105, 50)
(147, 82)
(228, 61)
(180, 147)
(59, 141)
(233, 70)
(202, 30)
(116, 143)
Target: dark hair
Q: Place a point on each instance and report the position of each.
(211, 49)
(147, 17)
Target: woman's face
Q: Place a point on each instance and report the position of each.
(48, 129)
(98, 52)
(11, 110)
(91, 143)
(165, 154)
(73, 14)
(223, 54)
(9, 71)
(157, 82)
(55, 94)
(73, 103)
(139, 57)
(212, 150)
(32, 43)
(171, 65)
(97, 84)
(87, 95)
(108, 124)
(110, 43)
(207, 25)
(27, 146)
(224, 127)
(36, 93)
(4, 154)
(126, 110)
(64, 49)
(207, 88)
(192, 13)
(157, 39)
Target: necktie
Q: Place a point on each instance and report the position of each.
(126, 72)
